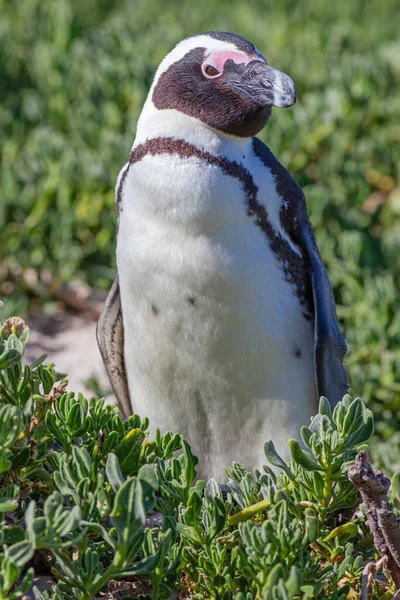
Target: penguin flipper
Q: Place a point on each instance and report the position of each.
(110, 338)
(329, 343)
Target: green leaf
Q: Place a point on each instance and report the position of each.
(339, 414)
(147, 474)
(26, 583)
(189, 463)
(276, 573)
(13, 343)
(312, 526)
(5, 463)
(212, 490)
(348, 530)
(11, 425)
(20, 553)
(9, 358)
(189, 532)
(38, 361)
(318, 484)
(273, 457)
(64, 487)
(131, 502)
(8, 504)
(320, 424)
(82, 462)
(191, 515)
(10, 572)
(149, 564)
(13, 535)
(293, 582)
(75, 418)
(54, 428)
(355, 417)
(113, 472)
(364, 433)
(129, 451)
(48, 379)
(325, 407)
(21, 457)
(67, 521)
(118, 426)
(173, 444)
(219, 520)
(110, 443)
(135, 543)
(29, 518)
(306, 435)
(304, 459)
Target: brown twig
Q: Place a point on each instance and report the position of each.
(385, 528)
(57, 390)
(369, 574)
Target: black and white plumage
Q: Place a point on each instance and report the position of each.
(221, 323)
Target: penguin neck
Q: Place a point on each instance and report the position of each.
(154, 123)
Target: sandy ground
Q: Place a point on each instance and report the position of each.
(69, 340)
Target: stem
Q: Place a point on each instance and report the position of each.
(327, 491)
(104, 579)
(102, 531)
(156, 583)
(249, 512)
(114, 568)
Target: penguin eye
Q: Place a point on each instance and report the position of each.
(210, 71)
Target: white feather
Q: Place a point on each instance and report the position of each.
(222, 371)
(211, 325)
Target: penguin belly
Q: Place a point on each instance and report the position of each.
(216, 344)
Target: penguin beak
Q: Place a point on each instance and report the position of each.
(261, 84)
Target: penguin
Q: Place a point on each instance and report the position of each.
(221, 323)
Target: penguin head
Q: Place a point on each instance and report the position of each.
(223, 81)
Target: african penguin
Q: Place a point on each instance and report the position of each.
(221, 323)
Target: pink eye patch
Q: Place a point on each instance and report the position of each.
(218, 59)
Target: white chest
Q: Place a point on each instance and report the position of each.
(216, 345)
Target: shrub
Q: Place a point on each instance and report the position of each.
(73, 78)
(92, 499)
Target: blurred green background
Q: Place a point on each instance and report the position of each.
(73, 77)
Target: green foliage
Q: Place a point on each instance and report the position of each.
(107, 503)
(73, 79)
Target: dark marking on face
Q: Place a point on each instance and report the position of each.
(184, 88)
(155, 310)
(297, 352)
(293, 265)
(191, 300)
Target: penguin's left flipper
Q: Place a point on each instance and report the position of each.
(110, 338)
(329, 343)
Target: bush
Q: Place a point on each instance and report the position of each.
(91, 499)
(73, 79)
